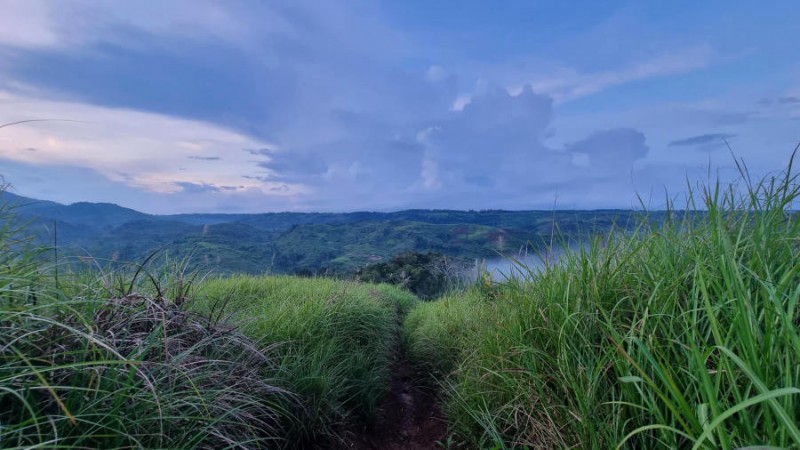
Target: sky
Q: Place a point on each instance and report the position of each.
(258, 106)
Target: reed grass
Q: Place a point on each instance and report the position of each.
(682, 334)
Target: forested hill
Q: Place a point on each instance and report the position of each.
(289, 242)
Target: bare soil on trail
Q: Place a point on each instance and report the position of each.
(411, 418)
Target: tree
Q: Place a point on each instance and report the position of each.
(428, 275)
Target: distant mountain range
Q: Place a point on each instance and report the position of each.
(288, 242)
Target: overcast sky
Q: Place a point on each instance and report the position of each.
(253, 106)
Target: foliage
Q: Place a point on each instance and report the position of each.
(680, 334)
(427, 275)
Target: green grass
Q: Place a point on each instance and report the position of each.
(131, 358)
(335, 343)
(85, 365)
(440, 334)
(681, 335)
(270, 362)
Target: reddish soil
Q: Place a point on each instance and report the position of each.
(411, 418)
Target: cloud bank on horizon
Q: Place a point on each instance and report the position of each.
(248, 106)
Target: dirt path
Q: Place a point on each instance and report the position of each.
(411, 418)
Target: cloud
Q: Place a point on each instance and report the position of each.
(197, 188)
(41, 23)
(287, 166)
(323, 106)
(259, 151)
(496, 135)
(703, 139)
(209, 81)
(142, 150)
(489, 154)
(612, 151)
(565, 82)
(784, 101)
(266, 69)
(780, 107)
(659, 66)
(27, 24)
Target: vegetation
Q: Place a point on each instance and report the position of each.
(334, 344)
(298, 243)
(681, 335)
(678, 332)
(89, 363)
(137, 359)
(426, 275)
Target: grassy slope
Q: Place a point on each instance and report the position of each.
(335, 341)
(685, 337)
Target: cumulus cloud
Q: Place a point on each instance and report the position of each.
(496, 135)
(492, 153)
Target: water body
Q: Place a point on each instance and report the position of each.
(523, 265)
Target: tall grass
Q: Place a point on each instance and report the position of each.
(83, 366)
(682, 334)
(131, 358)
(337, 340)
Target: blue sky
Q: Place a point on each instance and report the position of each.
(251, 106)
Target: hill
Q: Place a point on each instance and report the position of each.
(306, 243)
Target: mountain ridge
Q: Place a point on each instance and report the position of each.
(299, 242)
